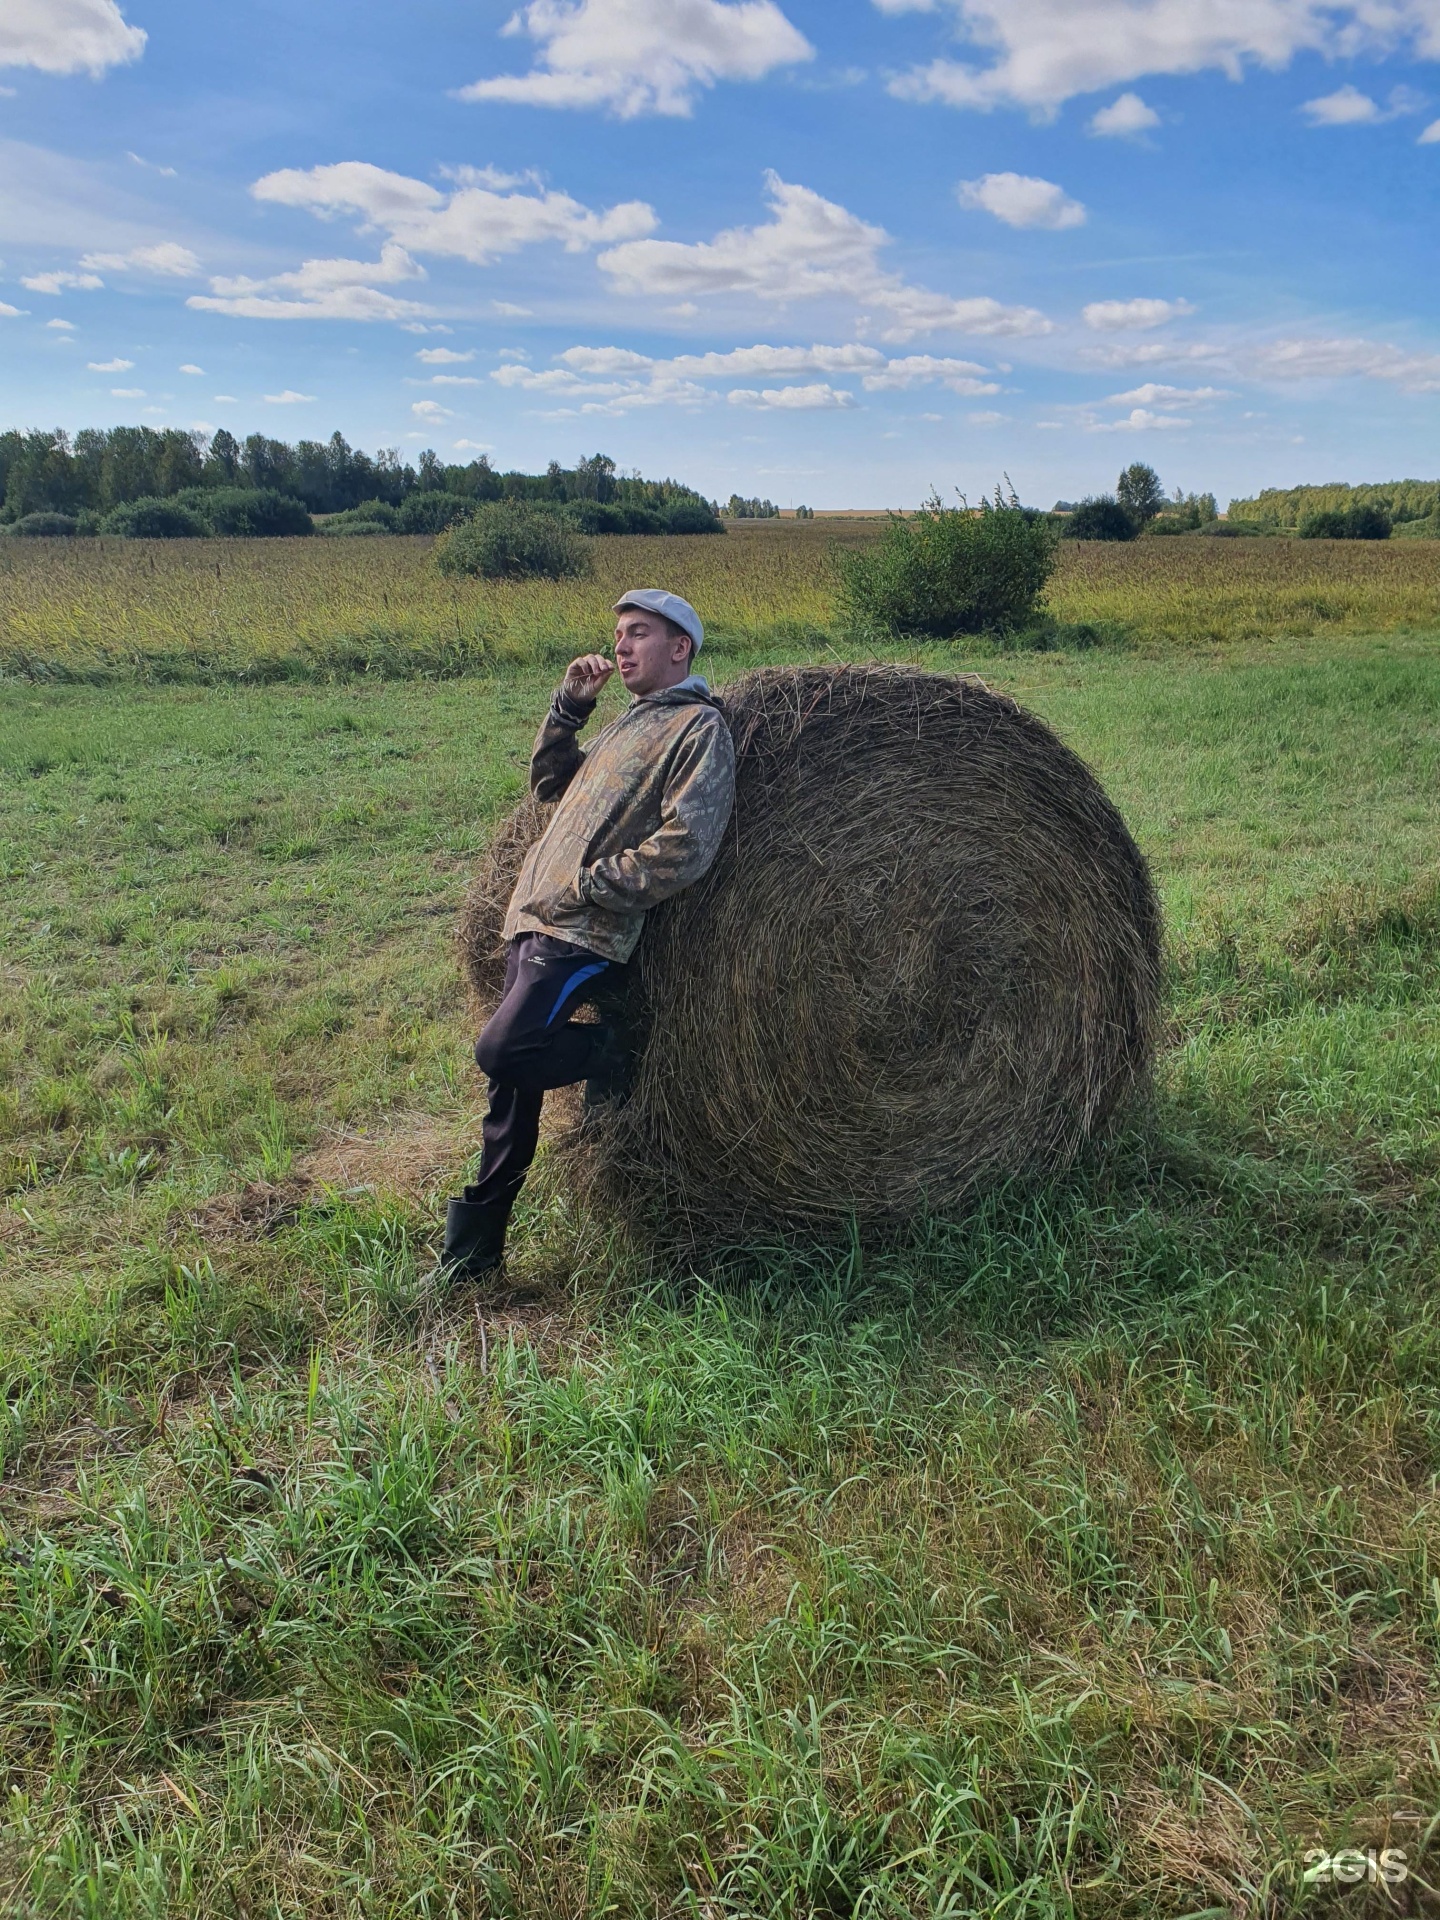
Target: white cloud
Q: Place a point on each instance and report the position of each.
(225, 400)
(443, 356)
(8, 312)
(1125, 316)
(820, 397)
(850, 358)
(167, 257)
(1152, 395)
(152, 166)
(1046, 51)
(289, 398)
(474, 222)
(1430, 135)
(1346, 107)
(1346, 359)
(110, 366)
(810, 248)
(1140, 420)
(454, 380)
(510, 311)
(1020, 200)
(642, 56)
(128, 393)
(67, 36)
(1123, 118)
(431, 412)
(1150, 353)
(473, 446)
(61, 326)
(190, 367)
(58, 282)
(986, 419)
(602, 360)
(623, 379)
(319, 290)
(920, 369)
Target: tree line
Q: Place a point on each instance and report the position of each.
(1403, 503)
(97, 471)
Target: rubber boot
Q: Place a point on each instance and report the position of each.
(474, 1238)
(612, 1071)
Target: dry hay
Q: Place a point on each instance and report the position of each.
(926, 960)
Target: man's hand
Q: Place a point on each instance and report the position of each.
(586, 676)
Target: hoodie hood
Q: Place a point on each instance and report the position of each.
(691, 691)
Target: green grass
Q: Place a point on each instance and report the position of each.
(1077, 1558)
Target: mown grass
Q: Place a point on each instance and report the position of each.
(256, 611)
(1077, 1558)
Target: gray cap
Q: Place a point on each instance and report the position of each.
(669, 605)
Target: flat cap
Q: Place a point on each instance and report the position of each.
(668, 605)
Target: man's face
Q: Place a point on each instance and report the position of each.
(649, 654)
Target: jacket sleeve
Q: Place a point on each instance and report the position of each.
(694, 813)
(556, 757)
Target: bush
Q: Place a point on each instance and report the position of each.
(154, 519)
(44, 526)
(250, 513)
(692, 516)
(371, 516)
(1101, 517)
(1347, 523)
(433, 511)
(949, 570)
(513, 540)
(604, 516)
(232, 513)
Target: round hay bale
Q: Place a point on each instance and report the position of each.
(926, 960)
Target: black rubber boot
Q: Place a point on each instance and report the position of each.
(474, 1239)
(612, 1072)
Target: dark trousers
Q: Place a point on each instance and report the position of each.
(529, 1045)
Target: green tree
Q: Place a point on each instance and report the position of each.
(1140, 493)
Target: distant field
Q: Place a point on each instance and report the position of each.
(314, 609)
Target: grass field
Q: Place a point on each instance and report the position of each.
(1081, 1557)
(205, 610)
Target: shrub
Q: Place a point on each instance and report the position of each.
(251, 513)
(1346, 523)
(154, 519)
(951, 570)
(512, 540)
(604, 516)
(692, 516)
(433, 511)
(371, 516)
(1101, 517)
(44, 526)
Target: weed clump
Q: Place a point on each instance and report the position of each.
(512, 540)
(950, 570)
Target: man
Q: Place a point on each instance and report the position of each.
(639, 817)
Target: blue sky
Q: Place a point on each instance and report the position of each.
(836, 254)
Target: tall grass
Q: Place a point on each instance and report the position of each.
(256, 611)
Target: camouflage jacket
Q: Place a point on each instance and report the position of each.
(640, 816)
